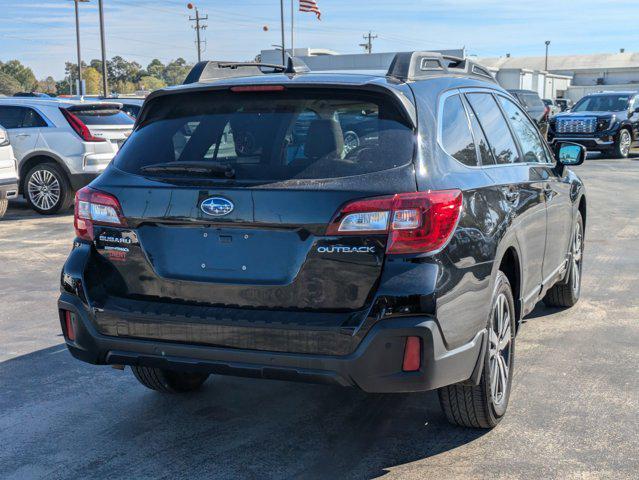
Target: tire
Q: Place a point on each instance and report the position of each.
(623, 144)
(566, 293)
(485, 404)
(4, 204)
(169, 381)
(47, 189)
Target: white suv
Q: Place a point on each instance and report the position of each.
(61, 145)
(8, 172)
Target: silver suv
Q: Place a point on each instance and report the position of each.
(61, 145)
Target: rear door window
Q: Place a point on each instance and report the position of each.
(485, 155)
(531, 145)
(502, 144)
(274, 136)
(456, 136)
(11, 117)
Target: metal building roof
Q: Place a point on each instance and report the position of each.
(597, 61)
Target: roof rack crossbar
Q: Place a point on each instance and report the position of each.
(409, 66)
(208, 71)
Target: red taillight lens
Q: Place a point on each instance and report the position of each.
(412, 354)
(80, 127)
(95, 208)
(69, 323)
(415, 222)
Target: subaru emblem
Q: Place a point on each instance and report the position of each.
(217, 206)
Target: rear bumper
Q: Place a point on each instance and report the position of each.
(375, 366)
(8, 188)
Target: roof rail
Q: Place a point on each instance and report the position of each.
(408, 66)
(209, 71)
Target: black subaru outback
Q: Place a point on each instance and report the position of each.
(237, 233)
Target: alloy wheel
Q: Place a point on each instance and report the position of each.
(624, 143)
(577, 248)
(43, 189)
(500, 340)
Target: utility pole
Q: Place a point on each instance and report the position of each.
(368, 46)
(77, 39)
(292, 29)
(197, 28)
(105, 87)
(547, 42)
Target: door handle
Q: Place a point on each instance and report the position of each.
(23, 135)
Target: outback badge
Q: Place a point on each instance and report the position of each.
(217, 206)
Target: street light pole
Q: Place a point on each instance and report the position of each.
(105, 87)
(282, 22)
(547, 42)
(77, 39)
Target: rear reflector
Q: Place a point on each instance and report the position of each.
(417, 222)
(257, 88)
(69, 323)
(95, 208)
(412, 354)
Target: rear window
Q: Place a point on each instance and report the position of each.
(103, 117)
(271, 136)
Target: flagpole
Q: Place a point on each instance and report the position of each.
(282, 22)
(292, 28)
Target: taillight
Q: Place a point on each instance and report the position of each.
(80, 127)
(95, 208)
(415, 222)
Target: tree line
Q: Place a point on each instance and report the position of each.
(123, 76)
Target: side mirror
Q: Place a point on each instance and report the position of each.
(570, 153)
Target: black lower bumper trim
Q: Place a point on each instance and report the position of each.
(375, 366)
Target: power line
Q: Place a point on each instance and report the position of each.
(368, 46)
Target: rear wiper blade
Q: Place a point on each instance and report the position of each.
(204, 167)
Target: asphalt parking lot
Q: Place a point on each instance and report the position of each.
(573, 414)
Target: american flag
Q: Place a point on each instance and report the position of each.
(310, 6)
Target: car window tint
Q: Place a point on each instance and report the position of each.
(32, 119)
(528, 136)
(494, 124)
(485, 155)
(533, 100)
(11, 117)
(457, 139)
(292, 135)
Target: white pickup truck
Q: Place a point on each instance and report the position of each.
(8, 172)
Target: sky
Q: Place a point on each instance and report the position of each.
(41, 33)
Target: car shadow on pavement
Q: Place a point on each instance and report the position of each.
(20, 210)
(63, 418)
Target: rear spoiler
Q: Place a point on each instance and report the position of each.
(76, 107)
(216, 70)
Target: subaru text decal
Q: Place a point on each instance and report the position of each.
(217, 206)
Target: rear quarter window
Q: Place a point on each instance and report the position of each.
(272, 136)
(456, 136)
